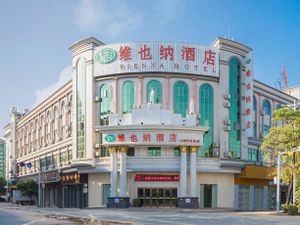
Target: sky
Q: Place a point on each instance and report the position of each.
(35, 36)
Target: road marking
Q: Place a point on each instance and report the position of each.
(33, 222)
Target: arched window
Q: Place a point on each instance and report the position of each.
(63, 120)
(105, 103)
(42, 130)
(254, 117)
(206, 119)
(80, 109)
(36, 130)
(70, 114)
(266, 117)
(127, 96)
(181, 98)
(48, 119)
(55, 134)
(234, 110)
(156, 86)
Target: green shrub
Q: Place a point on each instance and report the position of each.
(137, 202)
(292, 209)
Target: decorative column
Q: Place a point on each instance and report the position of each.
(123, 174)
(183, 152)
(113, 175)
(193, 171)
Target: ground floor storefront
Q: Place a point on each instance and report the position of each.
(162, 189)
(254, 189)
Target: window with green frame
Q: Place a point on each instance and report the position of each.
(267, 112)
(252, 155)
(181, 97)
(80, 108)
(206, 119)
(154, 151)
(176, 151)
(127, 96)
(156, 86)
(104, 152)
(255, 117)
(234, 110)
(105, 103)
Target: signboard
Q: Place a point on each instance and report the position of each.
(248, 93)
(155, 178)
(52, 177)
(172, 138)
(171, 57)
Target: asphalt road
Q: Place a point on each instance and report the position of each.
(12, 215)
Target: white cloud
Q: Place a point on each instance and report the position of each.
(111, 17)
(168, 11)
(41, 94)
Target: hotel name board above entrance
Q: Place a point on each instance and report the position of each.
(134, 57)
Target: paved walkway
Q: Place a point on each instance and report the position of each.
(173, 216)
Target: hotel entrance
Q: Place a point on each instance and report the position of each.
(158, 197)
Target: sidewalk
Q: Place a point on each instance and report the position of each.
(148, 215)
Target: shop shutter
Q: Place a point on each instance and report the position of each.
(258, 197)
(202, 196)
(243, 197)
(214, 196)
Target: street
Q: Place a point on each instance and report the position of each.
(23, 215)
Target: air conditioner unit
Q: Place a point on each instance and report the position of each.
(97, 99)
(262, 112)
(97, 145)
(216, 145)
(226, 122)
(226, 96)
(226, 104)
(226, 128)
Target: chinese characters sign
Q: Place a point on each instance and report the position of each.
(156, 57)
(153, 138)
(248, 93)
(155, 177)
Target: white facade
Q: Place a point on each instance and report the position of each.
(113, 147)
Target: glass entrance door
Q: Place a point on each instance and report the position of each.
(158, 197)
(106, 193)
(208, 195)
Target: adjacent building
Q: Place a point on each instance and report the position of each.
(2, 158)
(155, 123)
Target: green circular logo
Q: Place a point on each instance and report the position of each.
(110, 138)
(106, 55)
(248, 61)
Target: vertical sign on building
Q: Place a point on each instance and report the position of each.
(248, 91)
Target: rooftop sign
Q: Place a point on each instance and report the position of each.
(171, 57)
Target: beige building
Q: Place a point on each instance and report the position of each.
(155, 124)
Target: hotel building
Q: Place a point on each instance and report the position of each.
(152, 124)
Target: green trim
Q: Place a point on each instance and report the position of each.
(180, 97)
(206, 97)
(128, 98)
(234, 110)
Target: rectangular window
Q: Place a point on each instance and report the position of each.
(154, 151)
(252, 155)
(130, 152)
(104, 152)
(176, 152)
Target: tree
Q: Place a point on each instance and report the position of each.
(28, 187)
(284, 138)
